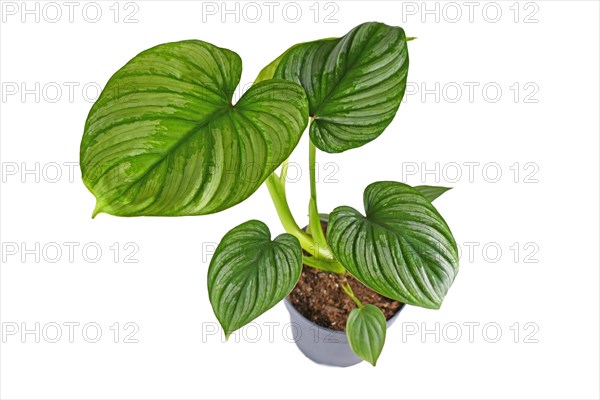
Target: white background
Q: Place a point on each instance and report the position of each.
(550, 209)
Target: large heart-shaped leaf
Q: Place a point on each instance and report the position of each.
(354, 83)
(402, 249)
(365, 330)
(164, 138)
(250, 273)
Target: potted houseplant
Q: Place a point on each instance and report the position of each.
(164, 139)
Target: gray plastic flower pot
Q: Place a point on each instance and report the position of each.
(323, 345)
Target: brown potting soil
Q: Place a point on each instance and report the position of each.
(319, 296)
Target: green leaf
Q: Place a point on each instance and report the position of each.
(163, 138)
(268, 71)
(432, 192)
(402, 249)
(324, 217)
(354, 83)
(365, 330)
(250, 273)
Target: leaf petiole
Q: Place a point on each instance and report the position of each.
(284, 170)
(348, 290)
(277, 192)
(314, 219)
(323, 265)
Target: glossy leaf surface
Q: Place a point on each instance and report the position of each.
(354, 83)
(163, 138)
(402, 248)
(250, 273)
(366, 330)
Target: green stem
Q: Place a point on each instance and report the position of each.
(346, 288)
(277, 192)
(323, 265)
(314, 244)
(314, 219)
(312, 162)
(284, 170)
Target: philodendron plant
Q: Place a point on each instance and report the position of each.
(164, 139)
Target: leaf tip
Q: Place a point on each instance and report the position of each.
(227, 332)
(97, 209)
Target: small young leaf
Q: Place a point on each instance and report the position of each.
(354, 83)
(365, 330)
(402, 249)
(432, 192)
(165, 139)
(250, 273)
